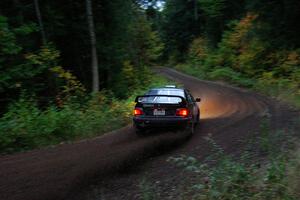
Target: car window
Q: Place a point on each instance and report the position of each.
(165, 100)
(166, 92)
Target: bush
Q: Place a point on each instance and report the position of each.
(193, 70)
(198, 51)
(220, 176)
(26, 126)
(245, 60)
(294, 175)
(282, 88)
(228, 75)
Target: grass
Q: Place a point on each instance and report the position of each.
(224, 177)
(26, 126)
(148, 190)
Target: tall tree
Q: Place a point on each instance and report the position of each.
(40, 21)
(180, 26)
(95, 71)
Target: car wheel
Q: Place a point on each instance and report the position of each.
(198, 119)
(190, 128)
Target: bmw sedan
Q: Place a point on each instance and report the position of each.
(166, 107)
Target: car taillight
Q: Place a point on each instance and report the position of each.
(182, 112)
(138, 111)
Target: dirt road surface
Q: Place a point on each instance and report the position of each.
(117, 162)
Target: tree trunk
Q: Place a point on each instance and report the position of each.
(40, 20)
(93, 46)
(196, 10)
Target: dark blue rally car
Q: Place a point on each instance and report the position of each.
(164, 107)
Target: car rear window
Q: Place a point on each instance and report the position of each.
(166, 92)
(165, 100)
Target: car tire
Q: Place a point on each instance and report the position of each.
(198, 119)
(190, 128)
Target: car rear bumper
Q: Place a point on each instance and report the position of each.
(161, 121)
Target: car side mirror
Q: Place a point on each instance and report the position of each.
(198, 99)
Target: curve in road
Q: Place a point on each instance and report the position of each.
(57, 173)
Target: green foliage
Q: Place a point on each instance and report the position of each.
(25, 126)
(194, 70)
(14, 67)
(146, 42)
(130, 79)
(250, 45)
(284, 89)
(293, 174)
(123, 35)
(245, 60)
(225, 74)
(277, 22)
(179, 27)
(220, 176)
(198, 51)
(228, 75)
(46, 57)
(7, 39)
(234, 49)
(148, 190)
(72, 88)
(156, 47)
(216, 15)
(212, 8)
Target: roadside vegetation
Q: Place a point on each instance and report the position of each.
(247, 61)
(232, 177)
(71, 72)
(26, 125)
(252, 44)
(268, 168)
